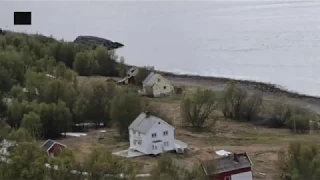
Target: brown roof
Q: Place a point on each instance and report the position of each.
(226, 163)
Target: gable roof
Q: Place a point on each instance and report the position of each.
(152, 78)
(50, 143)
(226, 163)
(148, 78)
(144, 123)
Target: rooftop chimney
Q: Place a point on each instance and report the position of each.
(147, 114)
(235, 157)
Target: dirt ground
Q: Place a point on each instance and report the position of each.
(262, 144)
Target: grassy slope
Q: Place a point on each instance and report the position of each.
(261, 143)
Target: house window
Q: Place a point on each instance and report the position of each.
(165, 133)
(166, 143)
(164, 87)
(135, 142)
(154, 135)
(154, 147)
(158, 80)
(140, 142)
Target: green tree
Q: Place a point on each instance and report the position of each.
(125, 107)
(15, 113)
(281, 113)
(32, 123)
(80, 114)
(26, 162)
(98, 109)
(252, 106)
(167, 169)
(60, 89)
(107, 62)
(4, 130)
(199, 108)
(11, 69)
(20, 135)
(65, 163)
(142, 74)
(102, 165)
(18, 93)
(55, 119)
(85, 64)
(238, 104)
(299, 123)
(300, 161)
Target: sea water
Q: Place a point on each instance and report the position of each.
(274, 41)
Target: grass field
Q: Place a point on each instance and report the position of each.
(262, 144)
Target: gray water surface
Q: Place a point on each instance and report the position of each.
(271, 41)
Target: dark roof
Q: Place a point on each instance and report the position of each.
(143, 123)
(48, 144)
(226, 163)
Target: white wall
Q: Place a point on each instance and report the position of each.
(159, 129)
(156, 90)
(242, 176)
(158, 87)
(138, 136)
(164, 82)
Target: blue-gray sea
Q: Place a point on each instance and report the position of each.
(274, 41)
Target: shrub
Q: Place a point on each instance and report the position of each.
(238, 104)
(280, 115)
(199, 108)
(300, 161)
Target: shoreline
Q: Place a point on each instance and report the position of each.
(260, 86)
(251, 84)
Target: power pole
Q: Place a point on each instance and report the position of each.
(294, 124)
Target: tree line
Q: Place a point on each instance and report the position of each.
(238, 104)
(41, 98)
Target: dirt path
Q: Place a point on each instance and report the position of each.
(309, 103)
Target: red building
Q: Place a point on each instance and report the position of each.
(236, 166)
(52, 147)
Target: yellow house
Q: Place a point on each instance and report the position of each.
(156, 85)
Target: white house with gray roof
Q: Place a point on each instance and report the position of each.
(156, 85)
(152, 135)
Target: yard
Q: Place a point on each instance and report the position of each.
(262, 144)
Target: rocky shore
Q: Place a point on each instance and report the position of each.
(93, 42)
(260, 86)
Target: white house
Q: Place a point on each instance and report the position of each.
(156, 85)
(152, 135)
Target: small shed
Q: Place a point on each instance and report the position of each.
(52, 147)
(236, 166)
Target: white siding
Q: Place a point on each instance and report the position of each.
(159, 129)
(242, 176)
(160, 87)
(156, 90)
(142, 147)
